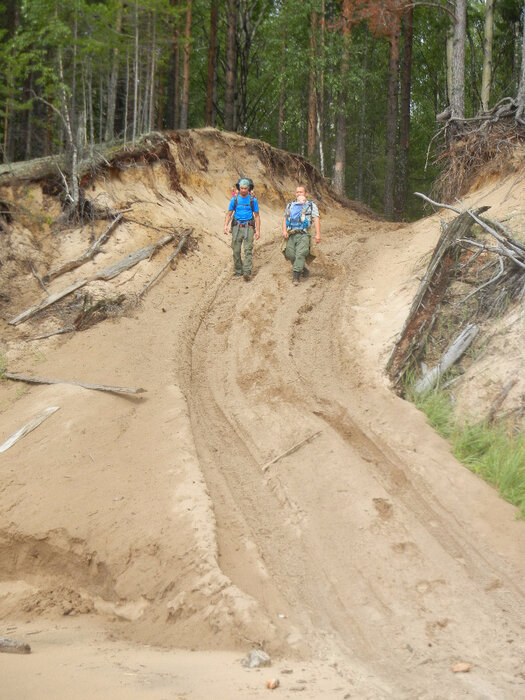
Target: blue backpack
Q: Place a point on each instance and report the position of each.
(301, 221)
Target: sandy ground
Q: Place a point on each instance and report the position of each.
(145, 544)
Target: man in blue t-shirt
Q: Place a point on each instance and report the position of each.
(246, 225)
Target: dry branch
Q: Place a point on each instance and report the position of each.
(88, 255)
(290, 450)
(38, 279)
(97, 387)
(179, 247)
(28, 427)
(60, 331)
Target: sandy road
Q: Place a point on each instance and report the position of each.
(347, 537)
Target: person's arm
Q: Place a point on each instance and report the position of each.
(317, 226)
(285, 231)
(257, 219)
(227, 221)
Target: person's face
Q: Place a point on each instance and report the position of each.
(300, 195)
(243, 189)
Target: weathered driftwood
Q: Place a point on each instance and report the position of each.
(453, 353)
(88, 255)
(60, 331)
(12, 646)
(105, 274)
(290, 451)
(28, 427)
(132, 259)
(51, 299)
(98, 387)
(428, 295)
(177, 250)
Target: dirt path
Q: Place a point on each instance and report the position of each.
(346, 536)
(368, 561)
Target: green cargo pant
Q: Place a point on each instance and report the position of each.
(297, 248)
(240, 235)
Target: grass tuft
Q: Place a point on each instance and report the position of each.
(487, 450)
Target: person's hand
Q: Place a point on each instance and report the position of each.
(257, 235)
(226, 230)
(285, 234)
(317, 239)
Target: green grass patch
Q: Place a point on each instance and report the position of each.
(488, 450)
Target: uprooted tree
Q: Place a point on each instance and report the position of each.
(488, 263)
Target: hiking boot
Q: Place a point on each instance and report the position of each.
(305, 272)
(238, 274)
(247, 277)
(296, 278)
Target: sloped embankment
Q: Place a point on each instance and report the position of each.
(267, 488)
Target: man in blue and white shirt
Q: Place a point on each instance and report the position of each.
(297, 221)
(246, 225)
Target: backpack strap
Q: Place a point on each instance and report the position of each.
(236, 198)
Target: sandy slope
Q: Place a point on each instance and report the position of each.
(367, 562)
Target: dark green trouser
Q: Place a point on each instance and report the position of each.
(240, 235)
(297, 248)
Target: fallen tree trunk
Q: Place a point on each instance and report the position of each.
(97, 387)
(454, 352)
(428, 296)
(88, 255)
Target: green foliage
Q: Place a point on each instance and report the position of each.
(487, 450)
(63, 58)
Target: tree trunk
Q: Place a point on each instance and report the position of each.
(458, 61)
(392, 108)
(135, 75)
(521, 89)
(340, 134)
(280, 117)
(212, 63)
(231, 65)
(486, 76)
(362, 124)
(312, 96)
(113, 79)
(320, 94)
(153, 67)
(404, 125)
(185, 97)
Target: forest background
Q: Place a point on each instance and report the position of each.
(355, 86)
